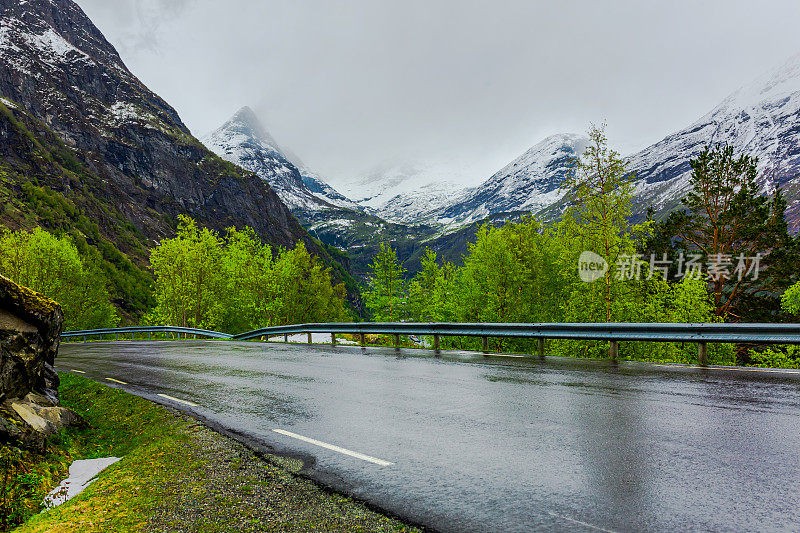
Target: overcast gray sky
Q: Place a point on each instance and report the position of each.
(347, 85)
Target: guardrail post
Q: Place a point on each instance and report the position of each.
(397, 342)
(309, 337)
(613, 350)
(285, 337)
(363, 339)
(436, 343)
(116, 336)
(702, 353)
(149, 335)
(333, 339)
(485, 342)
(541, 348)
(85, 338)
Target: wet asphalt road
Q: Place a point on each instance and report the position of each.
(495, 444)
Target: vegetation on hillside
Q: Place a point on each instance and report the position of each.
(53, 266)
(44, 184)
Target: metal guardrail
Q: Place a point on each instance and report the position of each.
(655, 332)
(701, 334)
(141, 330)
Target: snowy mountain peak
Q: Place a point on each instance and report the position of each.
(759, 119)
(549, 151)
(244, 141)
(247, 123)
(772, 89)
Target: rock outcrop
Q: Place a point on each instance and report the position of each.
(30, 328)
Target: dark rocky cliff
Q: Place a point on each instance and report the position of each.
(57, 67)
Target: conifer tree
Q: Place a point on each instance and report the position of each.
(741, 235)
(385, 295)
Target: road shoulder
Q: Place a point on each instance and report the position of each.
(178, 475)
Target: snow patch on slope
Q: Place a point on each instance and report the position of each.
(529, 183)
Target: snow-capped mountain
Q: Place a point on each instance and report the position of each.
(415, 206)
(761, 119)
(529, 183)
(245, 142)
(407, 192)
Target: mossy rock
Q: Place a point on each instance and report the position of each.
(35, 308)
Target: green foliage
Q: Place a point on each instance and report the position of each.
(188, 278)
(525, 272)
(385, 297)
(52, 266)
(237, 284)
(777, 357)
(790, 301)
(24, 481)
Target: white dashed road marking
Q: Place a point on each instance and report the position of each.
(185, 402)
(334, 448)
(585, 524)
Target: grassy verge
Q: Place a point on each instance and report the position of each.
(177, 475)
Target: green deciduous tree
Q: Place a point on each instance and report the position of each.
(52, 266)
(790, 301)
(599, 190)
(237, 283)
(189, 278)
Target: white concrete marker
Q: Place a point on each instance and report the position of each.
(168, 397)
(334, 448)
(81, 473)
(78, 371)
(117, 381)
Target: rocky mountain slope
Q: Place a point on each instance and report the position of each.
(761, 119)
(59, 68)
(327, 215)
(84, 139)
